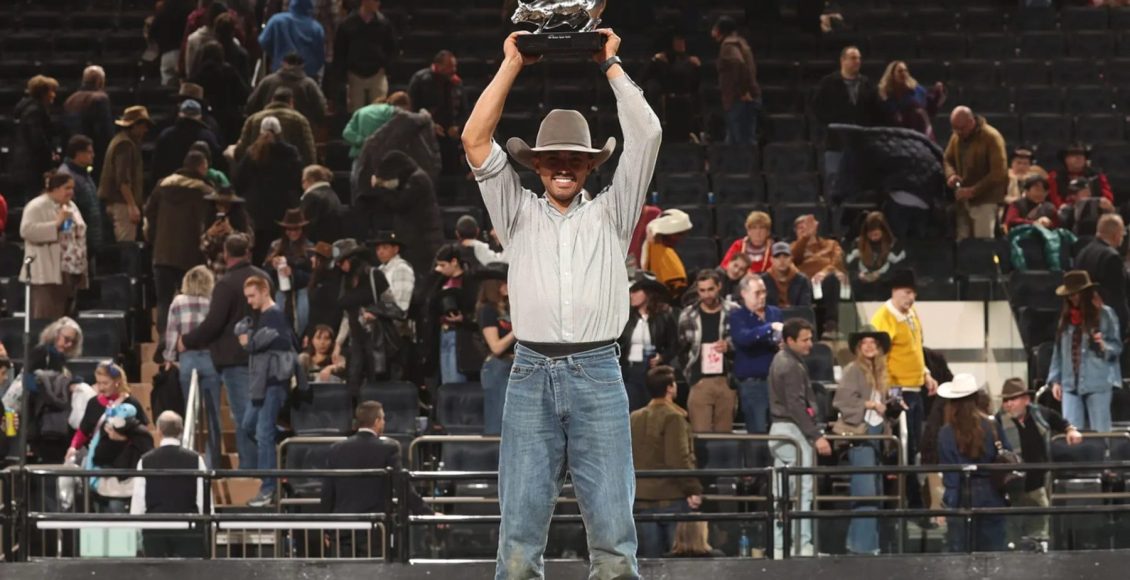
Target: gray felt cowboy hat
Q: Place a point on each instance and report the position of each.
(561, 130)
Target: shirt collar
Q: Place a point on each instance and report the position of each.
(169, 441)
(315, 186)
(369, 431)
(664, 402)
(579, 200)
(898, 314)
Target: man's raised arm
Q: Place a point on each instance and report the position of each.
(479, 130)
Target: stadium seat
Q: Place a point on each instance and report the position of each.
(105, 332)
(1036, 325)
(779, 99)
(785, 128)
(11, 259)
(1094, 45)
(1039, 99)
(1076, 71)
(820, 363)
(931, 259)
(1046, 128)
(1035, 18)
(698, 253)
(985, 99)
(1084, 18)
(793, 188)
(450, 216)
(788, 158)
(680, 158)
(1044, 45)
(1110, 155)
(1018, 71)
(786, 213)
(1035, 288)
(941, 46)
(992, 46)
(123, 258)
(12, 335)
(682, 188)
(459, 408)
(401, 402)
(731, 220)
(325, 409)
(1085, 99)
(738, 189)
(733, 159)
(469, 456)
(805, 312)
(701, 216)
(1102, 127)
(1008, 125)
(973, 72)
(311, 456)
(83, 367)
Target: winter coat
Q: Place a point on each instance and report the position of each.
(297, 32)
(86, 198)
(832, 104)
(1098, 373)
(295, 130)
(364, 48)
(89, 112)
(664, 331)
(35, 142)
(322, 207)
(886, 160)
(176, 214)
(1057, 246)
(41, 240)
(409, 132)
(227, 92)
(270, 186)
(410, 210)
(174, 142)
(308, 97)
(981, 163)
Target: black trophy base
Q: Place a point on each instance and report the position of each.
(560, 43)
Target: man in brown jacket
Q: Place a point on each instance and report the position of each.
(977, 169)
(121, 185)
(737, 81)
(822, 260)
(661, 439)
(295, 127)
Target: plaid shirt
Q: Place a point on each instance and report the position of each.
(185, 314)
(401, 282)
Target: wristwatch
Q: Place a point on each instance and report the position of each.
(604, 66)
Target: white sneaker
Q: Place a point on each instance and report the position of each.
(778, 554)
(806, 551)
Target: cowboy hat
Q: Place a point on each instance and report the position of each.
(324, 250)
(134, 115)
(1014, 388)
(1076, 148)
(882, 338)
(224, 194)
(293, 218)
(190, 91)
(903, 278)
(386, 237)
(962, 385)
(561, 130)
(344, 248)
(671, 222)
(648, 282)
(1075, 282)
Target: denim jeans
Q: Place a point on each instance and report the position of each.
(236, 381)
(754, 394)
(209, 381)
(566, 413)
(301, 308)
(863, 533)
(831, 171)
(988, 534)
(1090, 412)
(260, 422)
(449, 359)
(656, 538)
(494, 378)
(741, 123)
(635, 383)
(785, 454)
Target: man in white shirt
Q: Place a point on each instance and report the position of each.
(170, 495)
(467, 232)
(401, 277)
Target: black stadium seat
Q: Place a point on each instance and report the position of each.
(459, 408)
(788, 158)
(820, 363)
(400, 400)
(793, 188)
(682, 188)
(325, 409)
(733, 159)
(738, 189)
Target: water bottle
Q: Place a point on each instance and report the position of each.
(655, 198)
(743, 545)
(284, 281)
(710, 198)
(68, 224)
(10, 422)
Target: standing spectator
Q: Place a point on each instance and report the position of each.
(845, 96)
(659, 255)
(361, 285)
(1076, 164)
(756, 243)
(662, 439)
(196, 92)
(785, 285)
(295, 32)
(493, 317)
(403, 199)
(905, 103)
(269, 177)
(365, 45)
(321, 205)
(737, 81)
(906, 362)
(704, 340)
(228, 217)
(121, 187)
(732, 274)
(170, 495)
(273, 358)
(407, 132)
(173, 143)
(439, 91)
(822, 260)
(1020, 168)
(792, 407)
(234, 53)
(468, 234)
(175, 216)
(186, 313)
(88, 111)
(1101, 259)
(217, 333)
(295, 128)
(976, 171)
(1033, 208)
(875, 255)
(1085, 359)
(1028, 427)
(650, 338)
(167, 31)
(671, 81)
(755, 329)
(214, 177)
(325, 285)
(199, 37)
(401, 277)
(226, 89)
(33, 151)
(203, 16)
(79, 159)
(970, 436)
(367, 120)
(862, 400)
(451, 311)
(308, 97)
(54, 235)
(288, 261)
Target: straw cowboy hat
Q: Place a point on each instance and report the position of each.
(134, 115)
(961, 386)
(1075, 282)
(670, 222)
(224, 194)
(561, 130)
(293, 218)
(324, 250)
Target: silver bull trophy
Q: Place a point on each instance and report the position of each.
(564, 26)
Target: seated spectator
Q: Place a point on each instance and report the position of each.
(905, 103)
(755, 244)
(54, 234)
(451, 317)
(308, 97)
(659, 255)
(755, 330)
(733, 273)
(321, 205)
(438, 90)
(317, 360)
(269, 177)
(1076, 164)
(367, 120)
(170, 495)
(1081, 215)
(288, 262)
(874, 256)
(671, 81)
(662, 439)
(1021, 167)
(295, 128)
(295, 32)
(692, 541)
(1034, 208)
(468, 234)
(785, 285)
(325, 284)
(230, 218)
(174, 142)
(649, 339)
(822, 260)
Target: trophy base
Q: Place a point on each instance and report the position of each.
(560, 43)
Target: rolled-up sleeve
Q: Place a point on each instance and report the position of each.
(642, 136)
(502, 192)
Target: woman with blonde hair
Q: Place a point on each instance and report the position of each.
(692, 541)
(186, 313)
(905, 103)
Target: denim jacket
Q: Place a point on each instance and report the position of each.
(1097, 374)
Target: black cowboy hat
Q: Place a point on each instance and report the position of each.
(1076, 148)
(647, 281)
(903, 278)
(386, 237)
(882, 338)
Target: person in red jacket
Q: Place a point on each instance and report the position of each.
(1033, 208)
(755, 244)
(1075, 165)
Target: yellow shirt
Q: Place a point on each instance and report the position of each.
(906, 363)
(668, 268)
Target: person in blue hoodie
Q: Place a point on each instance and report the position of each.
(755, 329)
(295, 32)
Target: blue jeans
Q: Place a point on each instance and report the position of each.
(566, 413)
(635, 382)
(449, 359)
(741, 123)
(831, 171)
(260, 423)
(301, 309)
(494, 377)
(1090, 412)
(754, 395)
(863, 533)
(656, 538)
(236, 381)
(209, 381)
(785, 454)
(988, 534)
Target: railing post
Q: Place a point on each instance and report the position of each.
(771, 519)
(25, 541)
(967, 504)
(405, 484)
(206, 509)
(785, 522)
(7, 481)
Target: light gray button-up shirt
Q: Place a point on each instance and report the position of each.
(567, 281)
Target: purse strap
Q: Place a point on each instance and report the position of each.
(996, 436)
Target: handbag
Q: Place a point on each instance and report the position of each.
(1002, 480)
(839, 427)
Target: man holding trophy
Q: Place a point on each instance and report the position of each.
(566, 407)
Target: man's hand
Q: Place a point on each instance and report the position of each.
(952, 181)
(823, 447)
(1074, 437)
(326, 374)
(1044, 221)
(655, 361)
(134, 214)
(456, 318)
(964, 193)
(694, 60)
(931, 385)
(611, 46)
(694, 501)
(1057, 391)
(510, 49)
(243, 340)
(721, 346)
(818, 279)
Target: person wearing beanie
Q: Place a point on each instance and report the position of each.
(269, 177)
(295, 128)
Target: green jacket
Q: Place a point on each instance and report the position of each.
(364, 123)
(1054, 243)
